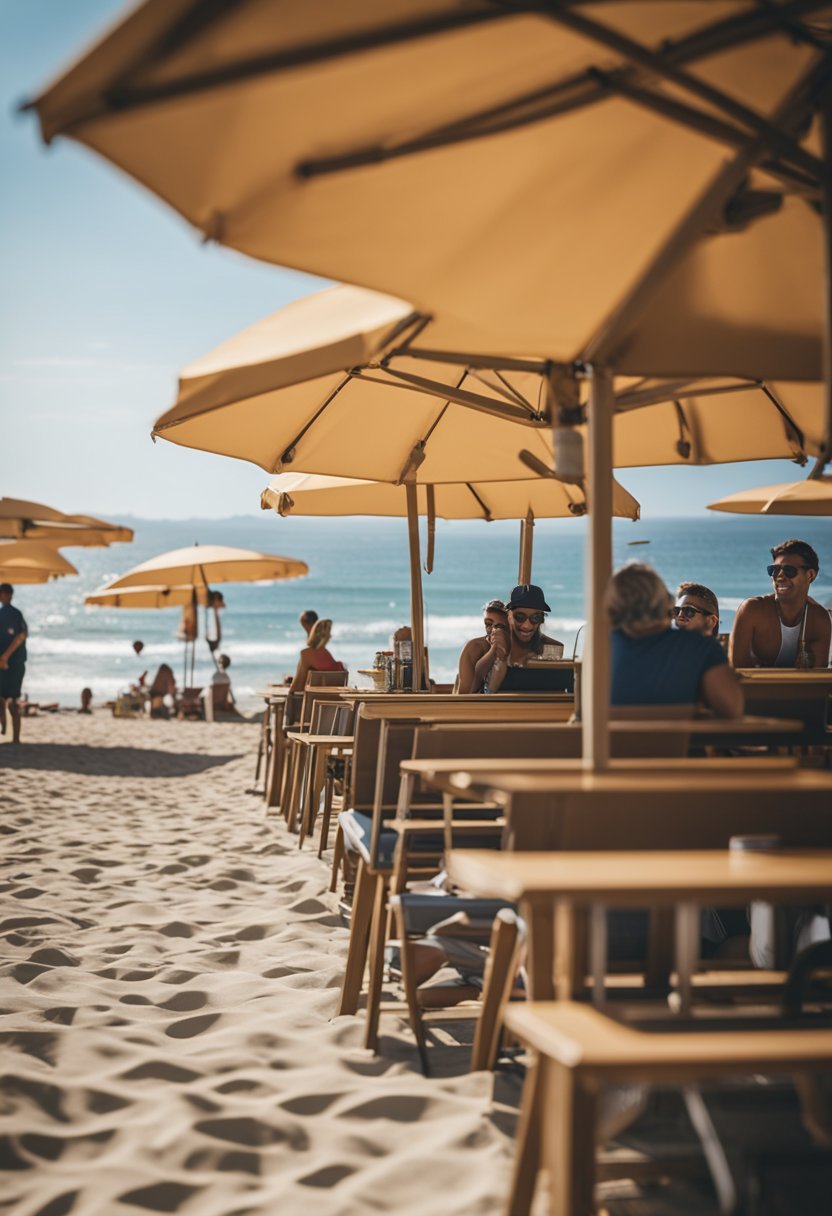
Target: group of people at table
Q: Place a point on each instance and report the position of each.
(654, 663)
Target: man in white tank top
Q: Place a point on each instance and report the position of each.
(787, 628)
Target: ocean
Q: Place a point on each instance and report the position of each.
(358, 576)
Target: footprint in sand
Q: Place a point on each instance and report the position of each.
(178, 977)
(160, 1070)
(309, 1104)
(37, 1043)
(328, 1176)
(184, 1002)
(54, 958)
(48, 1098)
(189, 1028)
(64, 1015)
(161, 1197)
(177, 928)
(61, 1205)
(251, 1132)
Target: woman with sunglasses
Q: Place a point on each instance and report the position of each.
(787, 628)
(527, 610)
(479, 654)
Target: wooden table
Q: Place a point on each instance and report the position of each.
(800, 694)
(579, 1051)
(550, 886)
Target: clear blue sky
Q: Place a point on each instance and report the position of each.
(106, 294)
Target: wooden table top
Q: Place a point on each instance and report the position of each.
(716, 876)
(633, 780)
(787, 675)
(578, 1035)
(302, 736)
(444, 773)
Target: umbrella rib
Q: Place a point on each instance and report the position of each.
(124, 96)
(781, 142)
(289, 451)
(477, 401)
(580, 90)
(793, 431)
(483, 507)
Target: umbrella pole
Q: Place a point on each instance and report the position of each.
(417, 625)
(595, 681)
(826, 184)
(524, 572)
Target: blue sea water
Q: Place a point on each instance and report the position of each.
(358, 575)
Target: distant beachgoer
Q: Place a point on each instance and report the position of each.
(315, 656)
(188, 624)
(162, 692)
(222, 699)
(307, 619)
(215, 603)
(138, 646)
(478, 655)
(787, 628)
(696, 609)
(86, 701)
(526, 609)
(13, 634)
(653, 664)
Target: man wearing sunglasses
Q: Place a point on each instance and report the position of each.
(696, 609)
(787, 628)
(527, 610)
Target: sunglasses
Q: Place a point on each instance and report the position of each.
(688, 611)
(536, 618)
(789, 570)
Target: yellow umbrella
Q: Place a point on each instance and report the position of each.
(811, 497)
(21, 519)
(29, 562)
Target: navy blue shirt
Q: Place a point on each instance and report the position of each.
(11, 624)
(662, 669)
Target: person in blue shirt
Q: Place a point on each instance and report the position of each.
(653, 664)
(13, 633)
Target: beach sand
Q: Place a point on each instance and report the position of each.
(170, 971)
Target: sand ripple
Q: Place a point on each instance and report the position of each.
(169, 970)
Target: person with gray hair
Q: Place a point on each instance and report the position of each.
(653, 664)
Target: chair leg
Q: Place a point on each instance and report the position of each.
(527, 1155)
(378, 938)
(326, 816)
(567, 1139)
(409, 985)
(262, 750)
(307, 783)
(295, 787)
(362, 910)
(499, 978)
(337, 858)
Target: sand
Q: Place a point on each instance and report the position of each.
(170, 971)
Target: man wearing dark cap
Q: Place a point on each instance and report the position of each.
(527, 610)
(12, 659)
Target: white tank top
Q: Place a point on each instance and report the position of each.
(789, 637)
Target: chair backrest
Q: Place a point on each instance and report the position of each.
(689, 818)
(317, 692)
(327, 679)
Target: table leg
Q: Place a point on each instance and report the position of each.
(567, 1138)
(687, 951)
(541, 950)
(598, 952)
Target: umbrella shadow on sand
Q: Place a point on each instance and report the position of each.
(109, 761)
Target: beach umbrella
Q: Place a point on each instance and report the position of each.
(535, 498)
(30, 562)
(811, 497)
(146, 597)
(194, 569)
(21, 519)
(533, 179)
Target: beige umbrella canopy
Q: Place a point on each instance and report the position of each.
(513, 172)
(202, 565)
(146, 597)
(350, 383)
(812, 497)
(30, 562)
(21, 519)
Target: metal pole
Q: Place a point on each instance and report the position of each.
(595, 680)
(417, 624)
(524, 572)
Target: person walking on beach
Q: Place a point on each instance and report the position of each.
(787, 628)
(13, 633)
(696, 609)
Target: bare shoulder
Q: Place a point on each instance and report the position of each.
(476, 648)
(756, 606)
(818, 614)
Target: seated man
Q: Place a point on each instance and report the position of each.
(787, 628)
(696, 610)
(653, 664)
(478, 655)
